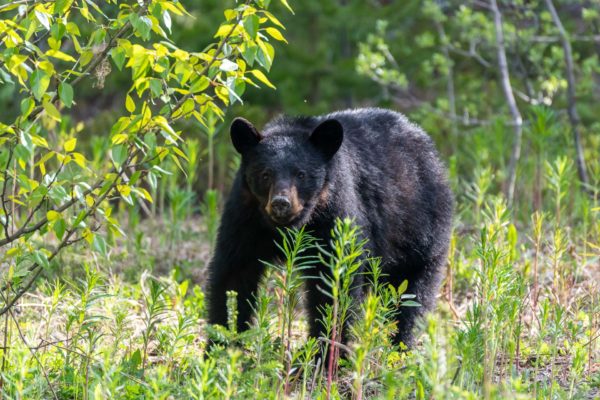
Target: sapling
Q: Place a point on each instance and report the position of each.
(343, 259)
(294, 247)
(155, 308)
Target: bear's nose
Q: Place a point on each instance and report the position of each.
(280, 205)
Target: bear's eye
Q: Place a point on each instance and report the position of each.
(301, 175)
(265, 176)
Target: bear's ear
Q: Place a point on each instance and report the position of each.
(328, 137)
(244, 135)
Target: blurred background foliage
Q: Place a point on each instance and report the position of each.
(399, 54)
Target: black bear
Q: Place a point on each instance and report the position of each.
(372, 165)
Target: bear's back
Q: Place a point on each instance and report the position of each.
(399, 178)
(376, 130)
(385, 145)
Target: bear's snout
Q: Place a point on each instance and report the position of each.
(280, 207)
(284, 206)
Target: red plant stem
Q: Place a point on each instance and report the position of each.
(332, 350)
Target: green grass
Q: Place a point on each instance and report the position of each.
(517, 316)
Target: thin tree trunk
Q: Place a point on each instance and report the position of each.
(571, 105)
(346, 52)
(450, 81)
(510, 100)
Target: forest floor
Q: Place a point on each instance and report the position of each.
(90, 321)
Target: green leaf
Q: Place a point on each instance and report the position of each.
(65, 92)
(142, 25)
(228, 66)
(167, 20)
(200, 84)
(119, 138)
(52, 111)
(136, 359)
(225, 30)
(57, 31)
(39, 81)
(40, 141)
(285, 3)
(403, 286)
(273, 19)
(119, 154)
(265, 54)
(155, 87)
(251, 24)
(249, 53)
(41, 259)
(229, 14)
(86, 57)
(275, 34)
(70, 144)
(184, 109)
(60, 55)
(27, 105)
(86, 13)
(118, 56)
(43, 18)
(258, 74)
(61, 5)
(164, 124)
(5, 76)
(52, 215)
(125, 192)
(59, 228)
(410, 303)
(236, 88)
(99, 244)
(129, 104)
(152, 180)
(58, 194)
(73, 29)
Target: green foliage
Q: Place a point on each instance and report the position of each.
(52, 194)
(288, 285)
(448, 81)
(112, 142)
(103, 337)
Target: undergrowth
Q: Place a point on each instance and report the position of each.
(517, 316)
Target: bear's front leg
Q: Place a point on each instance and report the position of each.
(318, 299)
(239, 276)
(236, 265)
(319, 293)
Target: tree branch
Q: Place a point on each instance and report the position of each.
(554, 39)
(450, 80)
(3, 195)
(571, 102)
(65, 242)
(24, 230)
(510, 101)
(472, 53)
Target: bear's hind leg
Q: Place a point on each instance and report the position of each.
(424, 286)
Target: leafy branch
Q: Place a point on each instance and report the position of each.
(189, 84)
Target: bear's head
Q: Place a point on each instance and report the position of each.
(285, 169)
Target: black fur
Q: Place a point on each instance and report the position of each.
(386, 175)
